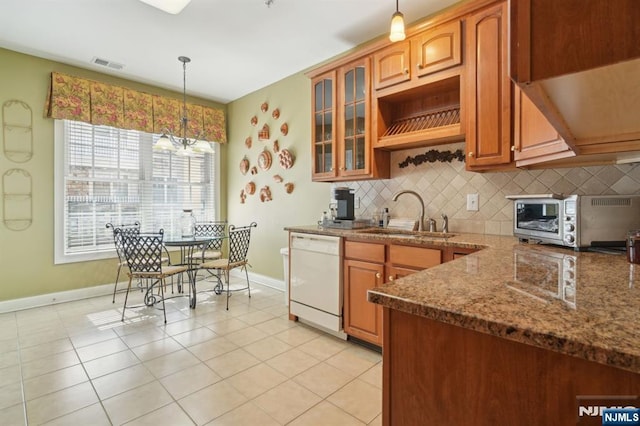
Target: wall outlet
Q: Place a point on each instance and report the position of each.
(472, 203)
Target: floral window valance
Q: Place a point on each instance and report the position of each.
(79, 99)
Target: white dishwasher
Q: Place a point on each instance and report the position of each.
(316, 280)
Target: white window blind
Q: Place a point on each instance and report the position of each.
(108, 175)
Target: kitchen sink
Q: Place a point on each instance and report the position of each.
(399, 233)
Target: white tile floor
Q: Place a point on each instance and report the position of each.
(76, 363)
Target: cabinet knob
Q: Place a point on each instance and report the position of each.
(390, 277)
(420, 66)
(470, 154)
(342, 169)
(406, 70)
(378, 275)
(513, 148)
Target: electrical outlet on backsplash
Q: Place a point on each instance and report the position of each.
(444, 188)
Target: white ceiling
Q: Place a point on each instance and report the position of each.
(235, 46)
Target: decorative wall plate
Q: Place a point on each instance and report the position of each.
(285, 158)
(248, 142)
(276, 146)
(250, 188)
(276, 113)
(254, 120)
(264, 107)
(264, 160)
(254, 170)
(277, 178)
(284, 129)
(244, 165)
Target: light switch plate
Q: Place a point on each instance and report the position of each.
(472, 203)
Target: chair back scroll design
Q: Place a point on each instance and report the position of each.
(144, 253)
(212, 229)
(119, 232)
(239, 238)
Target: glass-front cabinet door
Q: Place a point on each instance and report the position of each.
(323, 127)
(353, 129)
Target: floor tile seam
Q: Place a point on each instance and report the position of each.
(328, 402)
(345, 385)
(57, 390)
(154, 379)
(95, 391)
(24, 398)
(237, 372)
(160, 408)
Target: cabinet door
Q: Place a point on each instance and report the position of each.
(391, 65)
(353, 130)
(323, 127)
(535, 140)
(489, 90)
(362, 319)
(437, 49)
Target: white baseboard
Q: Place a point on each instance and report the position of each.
(105, 289)
(55, 298)
(260, 279)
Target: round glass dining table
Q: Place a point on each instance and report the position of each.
(190, 249)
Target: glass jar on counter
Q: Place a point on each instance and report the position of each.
(187, 223)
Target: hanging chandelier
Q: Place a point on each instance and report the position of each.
(190, 146)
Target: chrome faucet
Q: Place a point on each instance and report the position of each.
(445, 224)
(421, 218)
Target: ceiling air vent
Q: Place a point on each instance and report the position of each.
(106, 63)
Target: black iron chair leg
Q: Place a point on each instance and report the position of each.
(126, 296)
(164, 309)
(115, 285)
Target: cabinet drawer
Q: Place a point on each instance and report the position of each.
(415, 257)
(369, 252)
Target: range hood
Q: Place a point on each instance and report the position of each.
(579, 62)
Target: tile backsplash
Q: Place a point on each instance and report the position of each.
(444, 188)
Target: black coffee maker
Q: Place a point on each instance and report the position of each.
(344, 200)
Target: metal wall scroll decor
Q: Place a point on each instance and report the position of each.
(17, 199)
(17, 131)
(432, 156)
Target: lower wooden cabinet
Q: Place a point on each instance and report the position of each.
(362, 319)
(368, 265)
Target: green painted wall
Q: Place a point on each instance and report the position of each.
(26, 257)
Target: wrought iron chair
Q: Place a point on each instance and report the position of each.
(118, 241)
(145, 261)
(214, 248)
(239, 238)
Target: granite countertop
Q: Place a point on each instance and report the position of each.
(582, 304)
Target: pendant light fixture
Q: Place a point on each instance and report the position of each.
(397, 26)
(168, 142)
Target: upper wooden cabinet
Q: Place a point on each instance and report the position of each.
(579, 63)
(535, 139)
(423, 54)
(437, 49)
(323, 133)
(488, 129)
(341, 126)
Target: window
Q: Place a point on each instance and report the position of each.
(108, 175)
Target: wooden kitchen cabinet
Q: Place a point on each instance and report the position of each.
(363, 270)
(423, 54)
(342, 126)
(535, 139)
(488, 127)
(323, 133)
(368, 265)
